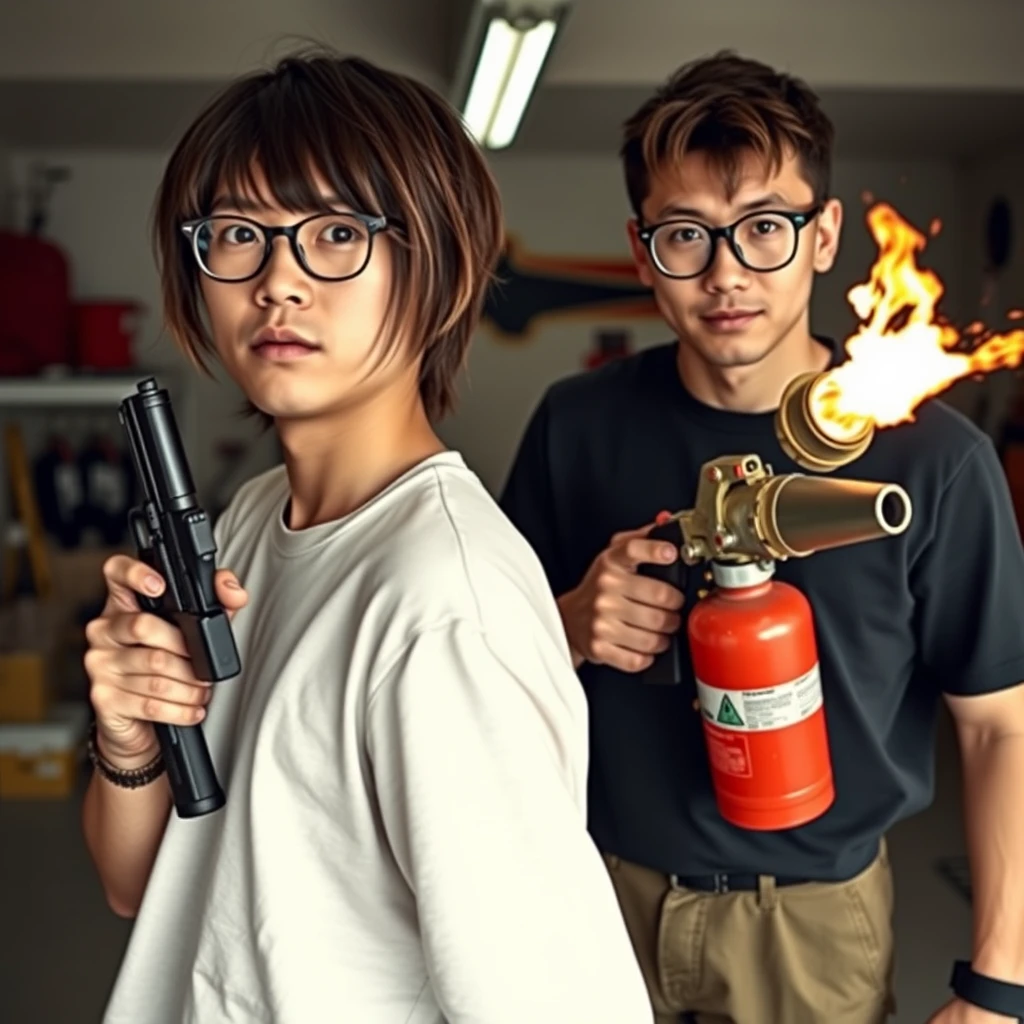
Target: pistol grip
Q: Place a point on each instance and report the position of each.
(667, 668)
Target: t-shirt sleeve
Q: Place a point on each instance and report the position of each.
(528, 498)
(480, 773)
(970, 583)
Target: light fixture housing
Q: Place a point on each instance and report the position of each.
(508, 49)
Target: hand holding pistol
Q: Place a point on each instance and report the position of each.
(174, 539)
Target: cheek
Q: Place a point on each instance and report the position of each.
(791, 287)
(220, 302)
(678, 299)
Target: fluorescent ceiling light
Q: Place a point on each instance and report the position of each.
(505, 76)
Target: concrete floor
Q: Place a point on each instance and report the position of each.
(61, 947)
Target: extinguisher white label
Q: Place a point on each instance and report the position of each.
(772, 707)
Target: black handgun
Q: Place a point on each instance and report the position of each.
(173, 535)
(667, 668)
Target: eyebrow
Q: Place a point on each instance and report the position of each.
(675, 210)
(242, 204)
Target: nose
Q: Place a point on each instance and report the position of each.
(283, 281)
(726, 273)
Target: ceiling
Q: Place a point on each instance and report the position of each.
(916, 77)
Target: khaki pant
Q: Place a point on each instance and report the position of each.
(819, 953)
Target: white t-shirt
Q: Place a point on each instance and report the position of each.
(404, 757)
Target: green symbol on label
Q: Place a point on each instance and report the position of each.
(727, 714)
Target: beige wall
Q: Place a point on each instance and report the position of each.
(557, 206)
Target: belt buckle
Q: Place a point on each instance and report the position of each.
(721, 882)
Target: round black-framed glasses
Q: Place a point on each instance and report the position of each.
(763, 241)
(329, 246)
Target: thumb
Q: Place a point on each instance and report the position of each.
(230, 592)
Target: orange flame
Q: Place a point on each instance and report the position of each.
(904, 352)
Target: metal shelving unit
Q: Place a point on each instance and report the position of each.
(82, 392)
(66, 392)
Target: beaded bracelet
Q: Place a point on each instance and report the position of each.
(125, 778)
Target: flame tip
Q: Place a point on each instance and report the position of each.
(905, 349)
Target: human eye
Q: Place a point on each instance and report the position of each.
(235, 233)
(340, 231)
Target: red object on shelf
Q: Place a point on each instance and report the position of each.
(104, 334)
(35, 305)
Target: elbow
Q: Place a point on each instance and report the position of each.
(127, 909)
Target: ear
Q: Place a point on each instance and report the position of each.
(640, 255)
(828, 229)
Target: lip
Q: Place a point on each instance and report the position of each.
(731, 319)
(281, 344)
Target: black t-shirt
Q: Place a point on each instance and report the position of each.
(898, 621)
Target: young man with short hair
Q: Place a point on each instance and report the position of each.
(404, 752)
(727, 169)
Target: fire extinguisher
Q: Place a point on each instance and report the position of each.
(755, 659)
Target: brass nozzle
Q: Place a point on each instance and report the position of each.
(796, 515)
(804, 441)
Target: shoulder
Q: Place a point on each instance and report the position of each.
(454, 556)
(932, 453)
(949, 468)
(618, 381)
(250, 506)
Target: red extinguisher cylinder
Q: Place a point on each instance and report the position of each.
(755, 657)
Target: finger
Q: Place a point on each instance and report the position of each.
(651, 592)
(113, 702)
(642, 550)
(653, 620)
(168, 691)
(147, 661)
(128, 629)
(127, 577)
(622, 658)
(230, 592)
(624, 535)
(631, 638)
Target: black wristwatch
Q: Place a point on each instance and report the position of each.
(988, 993)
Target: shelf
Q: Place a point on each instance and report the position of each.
(79, 392)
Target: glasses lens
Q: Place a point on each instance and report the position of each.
(681, 248)
(229, 247)
(766, 240)
(335, 245)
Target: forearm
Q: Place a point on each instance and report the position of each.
(123, 829)
(993, 771)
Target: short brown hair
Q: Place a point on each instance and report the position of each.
(387, 145)
(724, 105)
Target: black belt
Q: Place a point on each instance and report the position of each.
(727, 882)
(724, 881)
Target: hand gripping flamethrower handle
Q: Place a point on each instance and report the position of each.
(174, 536)
(743, 513)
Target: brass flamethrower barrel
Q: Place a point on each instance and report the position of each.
(817, 446)
(742, 512)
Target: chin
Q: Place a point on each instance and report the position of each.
(735, 351)
(283, 399)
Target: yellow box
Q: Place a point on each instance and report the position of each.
(29, 649)
(39, 760)
(24, 687)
